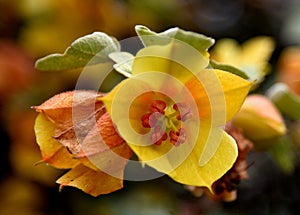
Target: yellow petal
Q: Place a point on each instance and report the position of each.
(251, 57)
(108, 98)
(257, 51)
(227, 51)
(235, 90)
(206, 155)
(166, 157)
(218, 94)
(177, 59)
(204, 172)
(126, 103)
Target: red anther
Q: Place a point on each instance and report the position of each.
(146, 120)
(177, 138)
(175, 107)
(158, 136)
(184, 116)
(158, 106)
(149, 120)
(184, 111)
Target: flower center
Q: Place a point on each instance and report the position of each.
(166, 122)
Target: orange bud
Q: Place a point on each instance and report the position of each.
(289, 68)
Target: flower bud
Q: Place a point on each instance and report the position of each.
(260, 120)
(289, 68)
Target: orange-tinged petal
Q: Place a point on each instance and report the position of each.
(218, 94)
(131, 99)
(52, 151)
(110, 98)
(90, 181)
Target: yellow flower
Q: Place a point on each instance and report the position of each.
(170, 113)
(251, 57)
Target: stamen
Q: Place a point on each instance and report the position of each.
(158, 106)
(158, 136)
(150, 120)
(177, 138)
(146, 120)
(184, 111)
(159, 113)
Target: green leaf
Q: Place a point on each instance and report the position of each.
(93, 49)
(229, 68)
(198, 41)
(123, 62)
(284, 155)
(287, 102)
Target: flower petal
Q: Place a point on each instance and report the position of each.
(177, 59)
(257, 51)
(205, 172)
(131, 99)
(227, 51)
(218, 94)
(167, 157)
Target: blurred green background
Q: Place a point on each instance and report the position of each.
(30, 29)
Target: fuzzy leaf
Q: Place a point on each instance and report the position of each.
(123, 62)
(93, 49)
(198, 41)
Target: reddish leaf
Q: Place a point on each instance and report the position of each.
(72, 111)
(90, 181)
(89, 145)
(101, 137)
(103, 149)
(52, 151)
(60, 107)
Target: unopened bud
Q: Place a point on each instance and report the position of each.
(260, 120)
